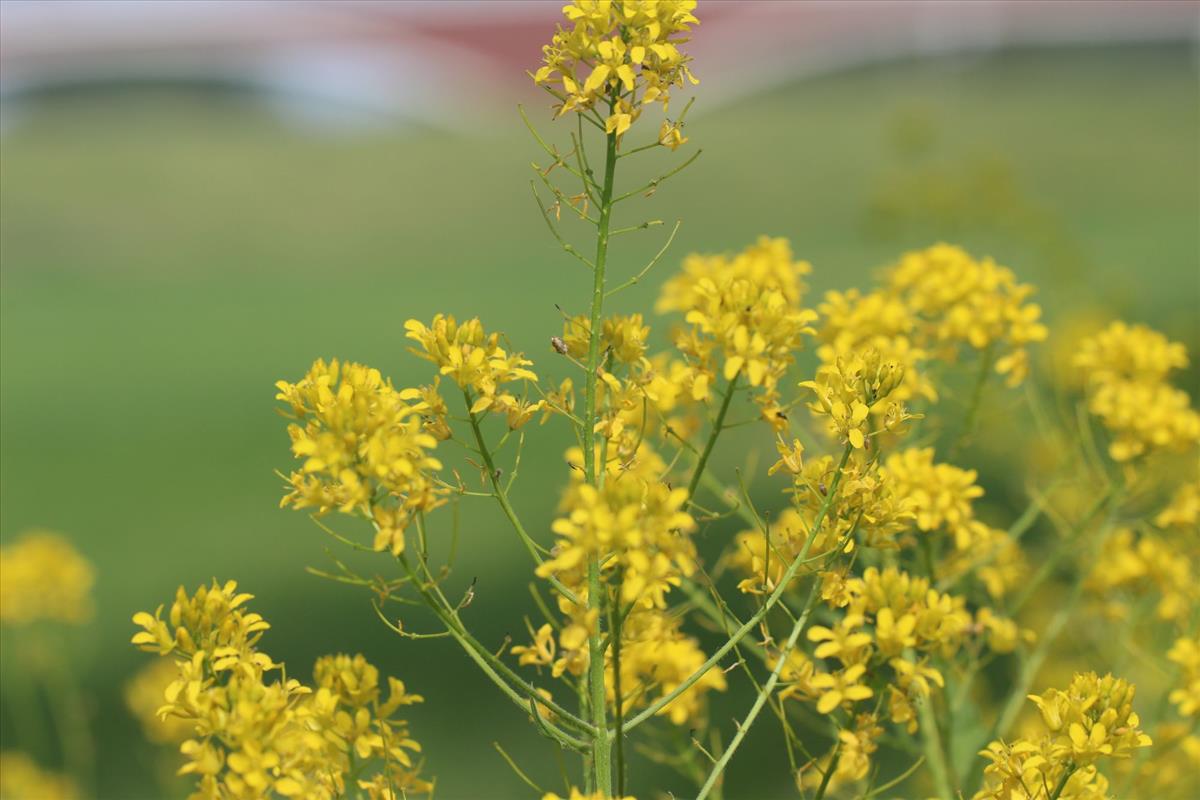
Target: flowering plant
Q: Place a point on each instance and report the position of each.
(871, 608)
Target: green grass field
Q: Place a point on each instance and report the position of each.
(166, 259)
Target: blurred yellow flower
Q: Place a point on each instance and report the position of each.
(43, 576)
(22, 779)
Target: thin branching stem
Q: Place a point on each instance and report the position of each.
(649, 266)
(766, 691)
(717, 427)
(567, 246)
(752, 623)
(656, 182)
(501, 495)
(595, 673)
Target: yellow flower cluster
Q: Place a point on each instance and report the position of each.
(630, 51)
(578, 795)
(1092, 719)
(637, 528)
(22, 779)
(745, 317)
(1126, 370)
(958, 300)
(942, 497)
(635, 523)
(853, 321)
(44, 577)
(364, 446)
(253, 738)
(1144, 564)
(891, 619)
(1186, 654)
(475, 361)
(854, 390)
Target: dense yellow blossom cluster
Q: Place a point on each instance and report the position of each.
(253, 736)
(942, 497)
(1144, 564)
(629, 52)
(22, 779)
(364, 446)
(44, 577)
(476, 362)
(852, 321)
(854, 396)
(1091, 720)
(892, 626)
(959, 300)
(637, 523)
(745, 318)
(1126, 370)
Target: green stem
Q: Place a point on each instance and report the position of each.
(750, 624)
(491, 666)
(595, 674)
(985, 370)
(1062, 783)
(501, 495)
(761, 699)
(829, 770)
(712, 436)
(1068, 546)
(934, 754)
(619, 710)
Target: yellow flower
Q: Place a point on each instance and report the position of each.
(638, 521)
(1146, 564)
(22, 779)
(541, 652)
(1003, 634)
(894, 634)
(44, 577)
(838, 688)
(844, 641)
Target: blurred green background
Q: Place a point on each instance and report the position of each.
(167, 256)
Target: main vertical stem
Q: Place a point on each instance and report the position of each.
(596, 694)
